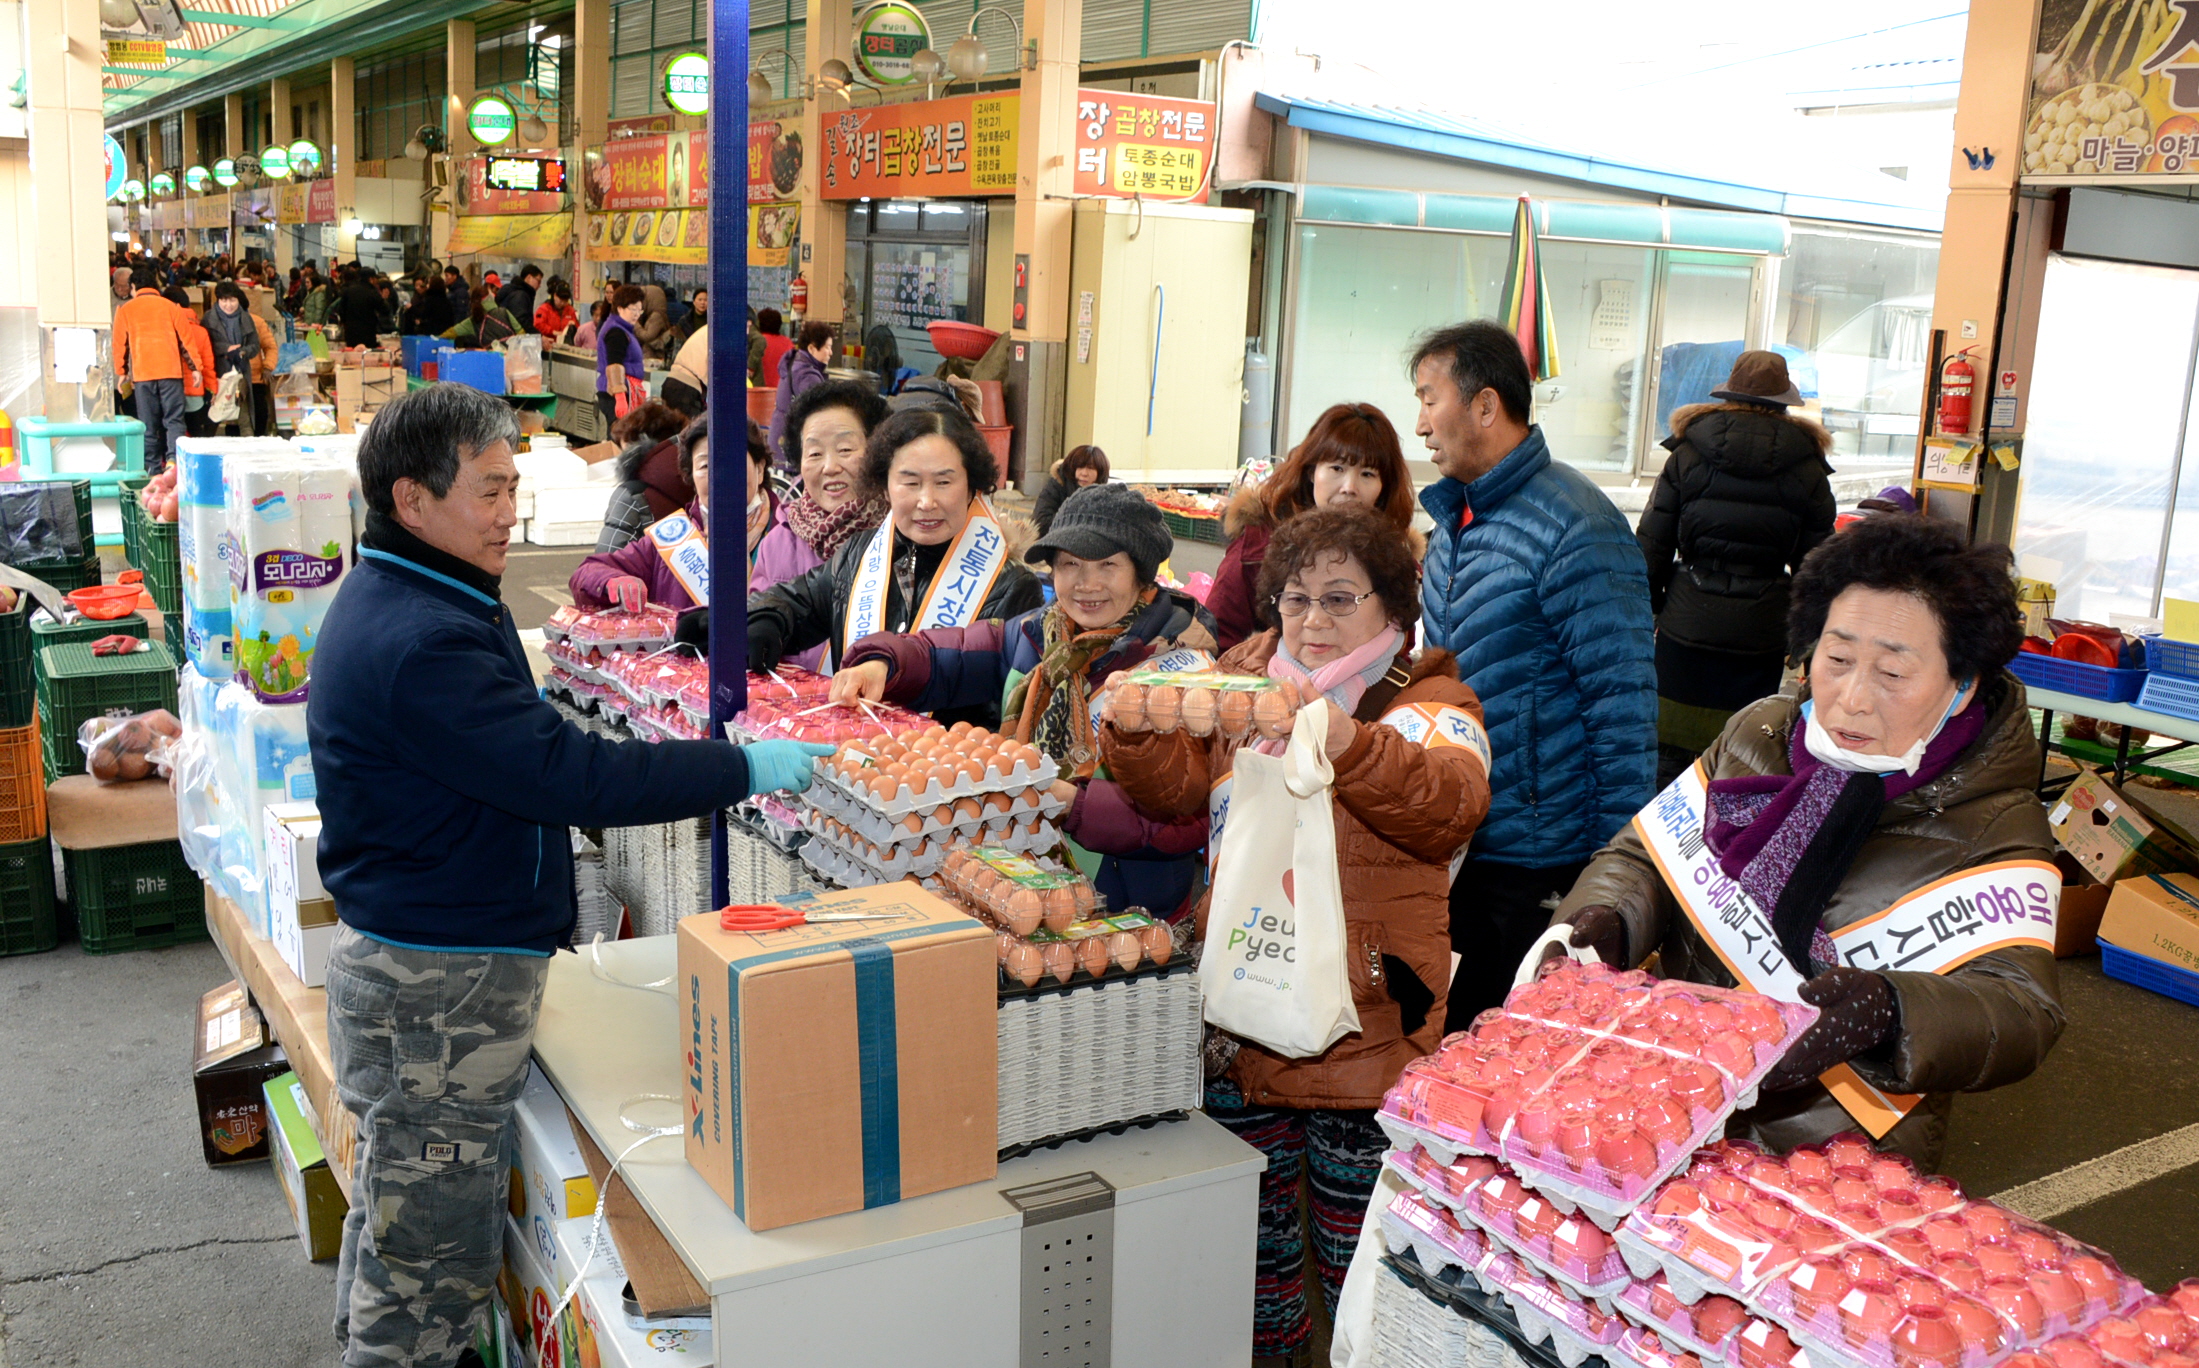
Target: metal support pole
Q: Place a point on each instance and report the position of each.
(728, 386)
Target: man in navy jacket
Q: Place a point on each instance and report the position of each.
(446, 789)
(1535, 582)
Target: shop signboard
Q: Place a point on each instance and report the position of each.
(254, 207)
(687, 83)
(656, 171)
(162, 185)
(491, 120)
(225, 173)
(476, 196)
(208, 211)
(117, 165)
(772, 229)
(960, 146)
(197, 178)
(1143, 145)
(887, 38)
(2111, 97)
(290, 202)
(305, 157)
(320, 202)
(638, 127)
(541, 236)
(145, 52)
(678, 236)
(133, 190)
(166, 216)
(774, 159)
(274, 161)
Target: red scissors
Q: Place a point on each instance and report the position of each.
(752, 917)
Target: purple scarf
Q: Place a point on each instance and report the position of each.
(1788, 839)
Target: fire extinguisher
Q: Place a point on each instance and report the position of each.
(797, 296)
(1956, 380)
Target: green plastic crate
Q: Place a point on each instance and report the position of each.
(172, 631)
(47, 569)
(81, 575)
(47, 632)
(152, 547)
(137, 897)
(18, 666)
(74, 684)
(28, 925)
(133, 517)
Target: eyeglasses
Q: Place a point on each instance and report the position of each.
(1336, 605)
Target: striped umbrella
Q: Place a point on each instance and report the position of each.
(1526, 308)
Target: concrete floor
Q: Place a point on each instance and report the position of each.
(119, 1248)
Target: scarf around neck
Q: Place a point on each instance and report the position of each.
(1788, 839)
(1056, 710)
(827, 531)
(1343, 681)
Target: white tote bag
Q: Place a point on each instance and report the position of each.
(1273, 969)
(227, 405)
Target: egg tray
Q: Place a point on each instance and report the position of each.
(772, 821)
(1460, 1293)
(1642, 1347)
(828, 724)
(1576, 1329)
(1414, 1221)
(1600, 1280)
(906, 801)
(1088, 1056)
(1011, 990)
(609, 629)
(2141, 1337)
(900, 862)
(1077, 938)
(1636, 1302)
(1444, 1183)
(886, 833)
(789, 682)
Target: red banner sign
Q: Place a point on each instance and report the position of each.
(475, 196)
(656, 171)
(320, 202)
(774, 160)
(1146, 145)
(961, 146)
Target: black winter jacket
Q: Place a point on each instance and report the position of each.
(1744, 497)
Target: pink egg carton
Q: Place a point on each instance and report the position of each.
(1432, 1231)
(1449, 1183)
(582, 662)
(1709, 1231)
(1568, 1247)
(787, 719)
(2156, 1332)
(1703, 1325)
(1577, 1329)
(790, 683)
(1846, 1181)
(1645, 1348)
(612, 629)
(1763, 1344)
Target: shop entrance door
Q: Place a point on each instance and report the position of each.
(2108, 507)
(912, 262)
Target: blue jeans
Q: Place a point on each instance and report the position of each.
(430, 1050)
(160, 409)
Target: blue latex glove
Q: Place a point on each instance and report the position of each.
(785, 765)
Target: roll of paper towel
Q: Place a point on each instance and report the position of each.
(204, 546)
(290, 532)
(261, 758)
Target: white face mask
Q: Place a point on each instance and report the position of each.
(1819, 742)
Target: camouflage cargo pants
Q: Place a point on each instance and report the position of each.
(430, 1051)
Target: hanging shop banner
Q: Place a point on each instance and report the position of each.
(772, 229)
(657, 171)
(320, 201)
(680, 237)
(537, 236)
(2111, 97)
(1145, 145)
(290, 203)
(888, 36)
(476, 197)
(774, 159)
(961, 146)
(148, 52)
(208, 211)
(639, 127)
(166, 216)
(253, 207)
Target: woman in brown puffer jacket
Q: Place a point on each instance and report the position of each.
(1907, 630)
(1346, 591)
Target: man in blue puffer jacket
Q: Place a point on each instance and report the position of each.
(1535, 582)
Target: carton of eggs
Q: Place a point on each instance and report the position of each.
(897, 775)
(1433, 1232)
(1200, 702)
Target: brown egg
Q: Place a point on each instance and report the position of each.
(1129, 703)
(1026, 965)
(1027, 756)
(1198, 711)
(1061, 960)
(1269, 713)
(965, 809)
(1156, 942)
(1233, 712)
(1092, 955)
(1060, 905)
(1087, 898)
(1023, 911)
(997, 804)
(1164, 707)
(1123, 948)
(959, 729)
(881, 788)
(971, 770)
(913, 823)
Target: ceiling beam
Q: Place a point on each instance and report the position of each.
(200, 16)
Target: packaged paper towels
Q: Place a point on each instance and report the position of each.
(201, 537)
(261, 758)
(291, 541)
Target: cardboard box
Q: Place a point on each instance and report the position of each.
(316, 1203)
(301, 915)
(84, 814)
(528, 1292)
(2114, 836)
(2077, 923)
(598, 1326)
(2156, 916)
(551, 1181)
(840, 1065)
(231, 1059)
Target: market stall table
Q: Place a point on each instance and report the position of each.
(2124, 715)
(965, 1278)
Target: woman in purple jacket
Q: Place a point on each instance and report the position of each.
(826, 431)
(670, 563)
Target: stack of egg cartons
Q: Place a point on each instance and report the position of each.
(562, 498)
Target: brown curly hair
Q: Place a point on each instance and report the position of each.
(1357, 435)
(1367, 537)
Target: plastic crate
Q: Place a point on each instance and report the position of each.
(18, 666)
(47, 567)
(2171, 694)
(22, 785)
(79, 575)
(2076, 677)
(28, 925)
(1208, 530)
(133, 515)
(47, 632)
(2149, 973)
(171, 626)
(74, 684)
(2180, 658)
(137, 897)
(162, 563)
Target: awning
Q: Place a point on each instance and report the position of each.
(539, 236)
(1647, 225)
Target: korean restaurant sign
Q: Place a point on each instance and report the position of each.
(774, 159)
(2114, 98)
(320, 201)
(475, 196)
(1143, 145)
(960, 146)
(653, 171)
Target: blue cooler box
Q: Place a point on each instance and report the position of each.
(484, 370)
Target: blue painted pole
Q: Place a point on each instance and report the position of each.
(728, 385)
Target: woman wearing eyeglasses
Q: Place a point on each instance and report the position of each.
(1340, 593)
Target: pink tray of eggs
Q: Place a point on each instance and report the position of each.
(1594, 1085)
(2158, 1332)
(1702, 1325)
(789, 719)
(1577, 1328)
(1432, 1231)
(789, 683)
(1450, 1184)
(1571, 1248)
(900, 774)
(1646, 1348)
(613, 629)
(1202, 703)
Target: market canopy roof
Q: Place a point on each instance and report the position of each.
(1461, 138)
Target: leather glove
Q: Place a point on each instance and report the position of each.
(1857, 1013)
(1599, 928)
(789, 765)
(628, 592)
(693, 629)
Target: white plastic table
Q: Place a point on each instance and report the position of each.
(955, 1279)
(2125, 715)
